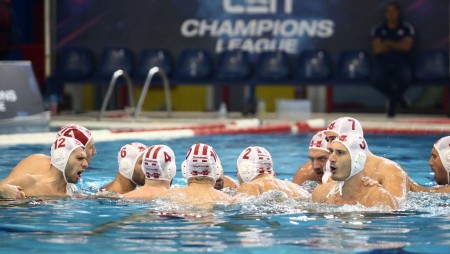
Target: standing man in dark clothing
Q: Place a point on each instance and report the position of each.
(392, 43)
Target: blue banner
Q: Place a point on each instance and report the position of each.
(251, 25)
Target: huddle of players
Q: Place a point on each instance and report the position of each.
(152, 169)
(340, 152)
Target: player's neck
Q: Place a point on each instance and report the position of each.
(262, 176)
(57, 180)
(123, 183)
(201, 184)
(352, 187)
(157, 183)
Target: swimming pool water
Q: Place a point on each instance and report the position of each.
(269, 223)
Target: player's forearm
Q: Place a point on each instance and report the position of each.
(8, 191)
(415, 187)
(440, 189)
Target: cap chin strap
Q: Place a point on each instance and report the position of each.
(326, 172)
(134, 181)
(336, 189)
(64, 174)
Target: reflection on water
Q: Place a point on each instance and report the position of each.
(258, 223)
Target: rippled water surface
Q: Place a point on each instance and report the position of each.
(269, 223)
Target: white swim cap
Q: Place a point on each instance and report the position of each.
(358, 149)
(75, 131)
(319, 142)
(158, 163)
(253, 161)
(202, 160)
(345, 125)
(61, 150)
(443, 148)
(127, 158)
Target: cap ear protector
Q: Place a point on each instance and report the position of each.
(359, 161)
(446, 164)
(219, 169)
(446, 160)
(171, 170)
(245, 170)
(443, 148)
(184, 169)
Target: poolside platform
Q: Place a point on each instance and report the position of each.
(157, 125)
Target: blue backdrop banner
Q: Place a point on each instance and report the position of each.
(251, 25)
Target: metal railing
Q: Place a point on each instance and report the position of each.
(117, 74)
(147, 83)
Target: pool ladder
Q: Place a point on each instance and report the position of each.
(136, 111)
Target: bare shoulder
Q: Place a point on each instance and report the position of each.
(36, 158)
(319, 194)
(222, 196)
(378, 196)
(297, 191)
(229, 182)
(248, 188)
(303, 173)
(173, 191)
(391, 171)
(32, 164)
(134, 194)
(390, 166)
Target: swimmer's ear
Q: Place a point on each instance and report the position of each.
(58, 158)
(218, 171)
(126, 168)
(446, 160)
(171, 170)
(245, 169)
(360, 160)
(184, 169)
